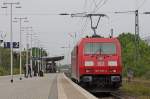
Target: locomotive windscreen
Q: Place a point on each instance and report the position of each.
(100, 48)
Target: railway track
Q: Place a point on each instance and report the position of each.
(118, 95)
(113, 95)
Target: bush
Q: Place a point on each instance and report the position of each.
(147, 75)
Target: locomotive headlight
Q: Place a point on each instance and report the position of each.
(89, 63)
(112, 63)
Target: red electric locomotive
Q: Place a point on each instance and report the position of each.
(96, 64)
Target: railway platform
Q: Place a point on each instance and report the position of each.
(51, 86)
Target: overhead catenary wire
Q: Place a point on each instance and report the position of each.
(34, 14)
(105, 1)
(89, 5)
(99, 5)
(81, 21)
(85, 4)
(96, 4)
(140, 6)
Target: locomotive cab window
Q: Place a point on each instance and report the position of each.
(100, 48)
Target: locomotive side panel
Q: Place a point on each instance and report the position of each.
(74, 63)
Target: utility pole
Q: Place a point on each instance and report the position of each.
(136, 36)
(11, 35)
(20, 47)
(136, 12)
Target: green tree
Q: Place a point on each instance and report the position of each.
(142, 65)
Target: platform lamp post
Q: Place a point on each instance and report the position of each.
(67, 47)
(21, 19)
(40, 49)
(27, 46)
(35, 51)
(41, 54)
(11, 34)
(31, 55)
(45, 53)
(38, 54)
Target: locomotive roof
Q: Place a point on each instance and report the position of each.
(91, 39)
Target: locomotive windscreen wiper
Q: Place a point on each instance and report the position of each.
(99, 50)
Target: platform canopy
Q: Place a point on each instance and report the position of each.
(56, 58)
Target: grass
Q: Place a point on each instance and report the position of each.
(136, 89)
(4, 71)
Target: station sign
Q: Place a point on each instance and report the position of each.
(7, 44)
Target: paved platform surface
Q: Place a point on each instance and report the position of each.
(31, 88)
(51, 86)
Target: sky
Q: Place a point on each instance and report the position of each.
(57, 33)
